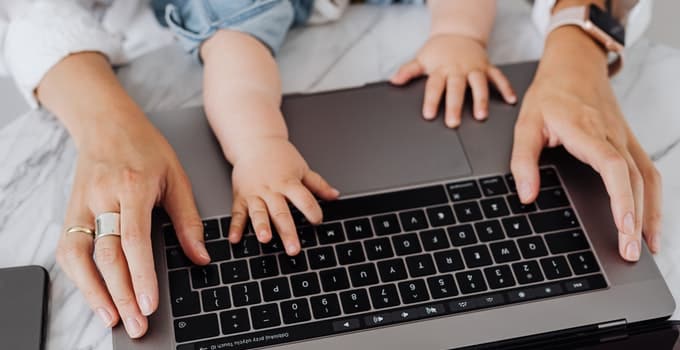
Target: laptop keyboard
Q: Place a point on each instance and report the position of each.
(381, 260)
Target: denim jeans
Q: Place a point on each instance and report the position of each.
(194, 21)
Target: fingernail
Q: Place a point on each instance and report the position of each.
(628, 224)
(145, 305)
(656, 243)
(524, 190)
(105, 316)
(202, 252)
(291, 248)
(262, 234)
(633, 251)
(512, 99)
(335, 192)
(481, 114)
(133, 327)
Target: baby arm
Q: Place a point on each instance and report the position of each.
(242, 91)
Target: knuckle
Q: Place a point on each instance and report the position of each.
(134, 237)
(70, 253)
(652, 176)
(124, 301)
(107, 255)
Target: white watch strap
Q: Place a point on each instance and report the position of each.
(569, 16)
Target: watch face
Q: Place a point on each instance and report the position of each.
(608, 24)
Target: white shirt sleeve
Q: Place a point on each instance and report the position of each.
(43, 33)
(637, 20)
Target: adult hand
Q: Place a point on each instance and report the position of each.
(269, 173)
(571, 103)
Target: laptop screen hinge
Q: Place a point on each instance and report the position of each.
(613, 324)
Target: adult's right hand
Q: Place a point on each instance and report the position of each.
(126, 166)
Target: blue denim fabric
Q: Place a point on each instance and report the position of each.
(194, 21)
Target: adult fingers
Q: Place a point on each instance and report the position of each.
(302, 199)
(433, 94)
(502, 84)
(455, 95)
(239, 219)
(257, 210)
(651, 222)
(135, 220)
(480, 94)
(178, 201)
(113, 267)
(526, 151)
(319, 186)
(630, 241)
(282, 219)
(407, 72)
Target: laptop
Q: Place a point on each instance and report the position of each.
(428, 247)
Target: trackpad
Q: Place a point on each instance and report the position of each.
(373, 138)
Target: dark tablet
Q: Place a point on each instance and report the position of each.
(23, 301)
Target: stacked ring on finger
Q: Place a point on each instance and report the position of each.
(81, 229)
(107, 224)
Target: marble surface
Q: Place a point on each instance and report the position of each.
(367, 45)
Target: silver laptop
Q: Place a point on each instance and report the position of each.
(428, 248)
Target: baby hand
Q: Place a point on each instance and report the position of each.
(452, 62)
(269, 173)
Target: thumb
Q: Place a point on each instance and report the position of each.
(407, 72)
(526, 151)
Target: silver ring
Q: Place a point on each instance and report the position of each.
(107, 224)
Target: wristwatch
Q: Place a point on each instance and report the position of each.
(600, 25)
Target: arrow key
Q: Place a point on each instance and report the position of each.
(346, 325)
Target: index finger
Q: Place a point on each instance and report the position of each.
(526, 150)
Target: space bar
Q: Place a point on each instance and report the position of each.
(384, 202)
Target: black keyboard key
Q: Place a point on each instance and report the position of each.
(196, 327)
(211, 229)
(205, 276)
(321, 258)
(527, 272)
(305, 284)
(330, 233)
(350, 253)
(477, 256)
(392, 270)
(555, 267)
(471, 281)
(495, 207)
(216, 299)
(324, 306)
(170, 235)
(586, 283)
(420, 265)
(510, 180)
(248, 246)
(273, 246)
(549, 178)
(354, 301)
(462, 235)
(555, 220)
(245, 293)
(493, 186)
(184, 301)
(413, 220)
(406, 244)
(234, 271)
(449, 260)
(505, 251)
(293, 264)
(489, 231)
(218, 250)
(363, 275)
(307, 236)
(275, 289)
(516, 226)
(235, 321)
(379, 248)
(441, 216)
(226, 224)
(532, 247)
(583, 263)
(358, 229)
(383, 203)
(413, 291)
(567, 241)
(175, 258)
(265, 316)
(442, 286)
(517, 207)
(264, 266)
(552, 198)
(386, 224)
(384, 296)
(468, 211)
(334, 279)
(434, 239)
(499, 277)
(460, 191)
(295, 311)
